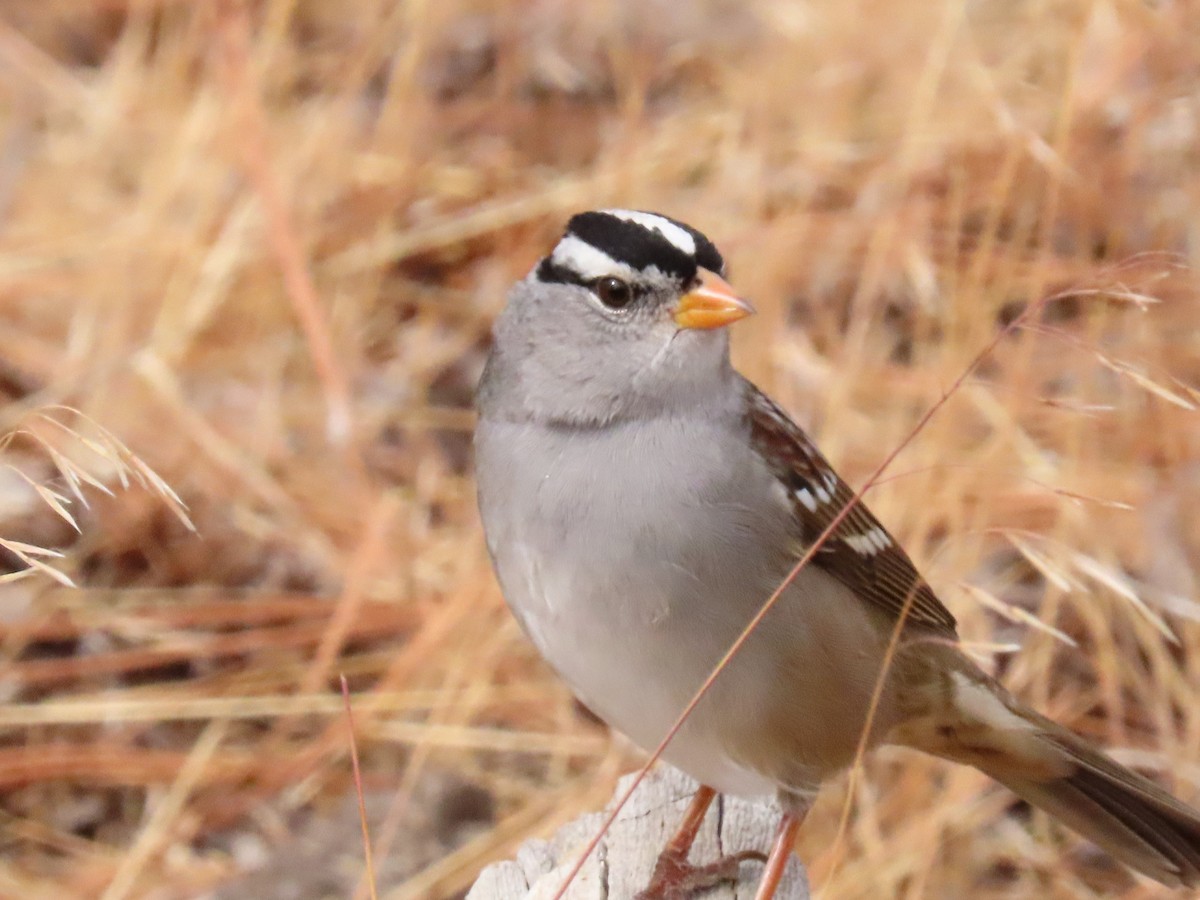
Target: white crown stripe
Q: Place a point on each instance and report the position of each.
(678, 236)
(587, 261)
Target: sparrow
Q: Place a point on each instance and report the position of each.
(641, 500)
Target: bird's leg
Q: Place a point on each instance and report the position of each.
(781, 851)
(674, 877)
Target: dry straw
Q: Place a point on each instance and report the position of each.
(251, 250)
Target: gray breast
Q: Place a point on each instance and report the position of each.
(633, 560)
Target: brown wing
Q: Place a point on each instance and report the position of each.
(860, 553)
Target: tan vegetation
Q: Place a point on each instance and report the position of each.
(261, 245)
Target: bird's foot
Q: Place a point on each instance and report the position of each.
(675, 878)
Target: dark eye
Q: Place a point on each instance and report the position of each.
(613, 292)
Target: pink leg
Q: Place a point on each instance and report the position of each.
(674, 877)
(781, 852)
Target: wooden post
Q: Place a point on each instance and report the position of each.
(622, 863)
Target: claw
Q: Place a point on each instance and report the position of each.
(675, 878)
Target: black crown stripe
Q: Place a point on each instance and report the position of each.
(707, 254)
(550, 271)
(641, 248)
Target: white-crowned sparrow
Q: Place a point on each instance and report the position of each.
(641, 500)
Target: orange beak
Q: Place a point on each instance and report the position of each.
(712, 304)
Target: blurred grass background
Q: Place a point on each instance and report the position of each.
(261, 245)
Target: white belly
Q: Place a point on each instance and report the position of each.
(629, 669)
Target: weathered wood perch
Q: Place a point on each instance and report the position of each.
(622, 863)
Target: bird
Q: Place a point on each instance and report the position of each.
(640, 500)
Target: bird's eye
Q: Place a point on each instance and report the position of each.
(613, 292)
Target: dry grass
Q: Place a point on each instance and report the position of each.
(262, 245)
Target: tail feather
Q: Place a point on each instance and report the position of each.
(1160, 840)
(1054, 769)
